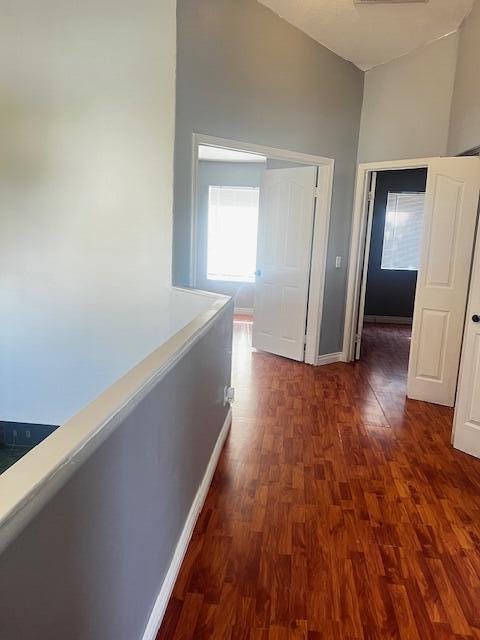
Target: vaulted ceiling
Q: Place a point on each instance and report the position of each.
(372, 34)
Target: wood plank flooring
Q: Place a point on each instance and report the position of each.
(338, 509)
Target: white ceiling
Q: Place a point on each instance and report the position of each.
(217, 154)
(371, 34)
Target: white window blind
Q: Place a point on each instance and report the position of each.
(232, 233)
(403, 231)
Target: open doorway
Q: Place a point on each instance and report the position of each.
(389, 279)
(260, 229)
(444, 267)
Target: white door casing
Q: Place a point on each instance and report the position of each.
(285, 228)
(356, 255)
(466, 424)
(366, 258)
(451, 203)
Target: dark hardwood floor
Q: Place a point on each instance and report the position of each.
(338, 509)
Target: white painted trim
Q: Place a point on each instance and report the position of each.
(318, 265)
(243, 311)
(320, 228)
(194, 216)
(396, 165)
(166, 589)
(329, 358)
(359, 220)
(270, 152)
(372, 190)
(388, 319)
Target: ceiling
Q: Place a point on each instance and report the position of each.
(372, 34)
(217, 154)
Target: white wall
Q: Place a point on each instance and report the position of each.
(406, 105)
(87, 92)
(465, 117)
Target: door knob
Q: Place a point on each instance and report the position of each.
(258, 273)
(476, 317)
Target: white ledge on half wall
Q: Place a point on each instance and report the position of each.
(27, 485)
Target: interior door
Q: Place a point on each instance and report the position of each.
(363, 285)
(285, 231)
(451, 203)
(466, 430)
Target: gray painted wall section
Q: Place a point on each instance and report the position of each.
(464, 131)
(244, 73)
(91, 564)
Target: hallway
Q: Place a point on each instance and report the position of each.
(338, 509)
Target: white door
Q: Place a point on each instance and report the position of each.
(285, 230)
(366, 258)
(466, 426)
(451, 203)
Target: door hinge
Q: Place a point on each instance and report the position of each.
(305, 340)
(371, 196)
(317, 192)
(357, 337)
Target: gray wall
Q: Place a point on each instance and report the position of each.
(406, 107)
(244, 73)
(90, 565)
(465, 116)
(232, 174)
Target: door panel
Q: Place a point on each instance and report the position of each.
(466, 433)
(432, 340)
(451, 205)
(446, 217)
(285, 228)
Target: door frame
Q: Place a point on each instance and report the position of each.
(357, 248)
(360, 316)
(461, 402)
(321, 224)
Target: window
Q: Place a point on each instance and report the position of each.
(232, 233)
(403, 231)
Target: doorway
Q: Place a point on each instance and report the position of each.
(260, 228)
(444, 266)
(228, 192)
(389, 278)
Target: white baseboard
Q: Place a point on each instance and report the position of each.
(329, 358)
(243, 311)
(388, 319)
(166, 589)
